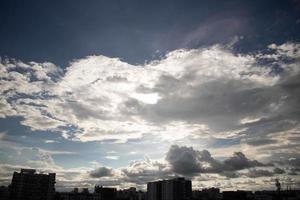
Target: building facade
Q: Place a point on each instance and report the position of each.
(174, 189)
(154, 190)
(28, 185)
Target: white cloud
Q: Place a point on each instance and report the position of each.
(50, 141)
(2, 135)
(188, 94)
(112, 157)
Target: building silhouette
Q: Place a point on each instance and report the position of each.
(173, 189)
(154, 190)
(106, 193)
(4, 193)
(207, 194)
(75, 194)
(241, 195)
(130, 194)
(29, 185)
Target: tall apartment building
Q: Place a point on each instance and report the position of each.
(28, 185)
(106, 193)
(174, 189)
(154, 190)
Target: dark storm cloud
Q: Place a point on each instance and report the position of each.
(255, 173)
(226, 102)
(286, 94)
(179, 160)
(289, 158)
(186, 160)
(294, 162)
(294, 171)
(101, 172)
(214, 101)
(259, 141)
(239, 161)
(278, 171)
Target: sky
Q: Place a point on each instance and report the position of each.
(123, 92)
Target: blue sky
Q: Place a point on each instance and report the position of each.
(124, 92)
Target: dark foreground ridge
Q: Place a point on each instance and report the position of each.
(29, 185)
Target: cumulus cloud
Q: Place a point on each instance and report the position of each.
(187, 161)
(212, 87)
(239, 161)
(101, 172)
(143, 171)
(139, 172)
(200, 166)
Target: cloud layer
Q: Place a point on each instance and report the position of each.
(197, 165)
(203, 89)
(188, 161)
(248, 101)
